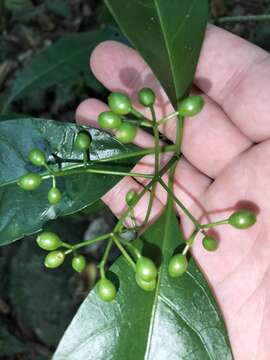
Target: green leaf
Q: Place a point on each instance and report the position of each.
(168, 35)
(64, 61)
(41, 299)
(23, 212)
(179, 320)
(9, 343)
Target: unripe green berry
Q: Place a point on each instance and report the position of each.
(126, 133)
(79, 263)
(130, 196)
(146, 285)
(146, 269)
(147, 97)
(83, 141)
(178, 265)
(191, 106)
(242, 219)
(109, 120)
(54, 196)
(54, 259)
(48, 241)
(37, 157)
(210, 243)
(30, 181)
(119, 103)
(106, 290)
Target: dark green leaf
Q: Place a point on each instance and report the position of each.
(23, 212)
(9, 343)
(168, 35)
(64, 61)
(179, 320)
(43, 300)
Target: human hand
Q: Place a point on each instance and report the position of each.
(226, 152)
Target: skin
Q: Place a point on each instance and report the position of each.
(225, 166)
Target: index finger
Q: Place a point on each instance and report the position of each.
(236, 74)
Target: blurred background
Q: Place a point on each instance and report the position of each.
(49, 42)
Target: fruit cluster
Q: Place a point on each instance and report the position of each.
(124, 120)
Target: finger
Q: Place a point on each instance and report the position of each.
(210, 141)
(236, 74)
(115, 199)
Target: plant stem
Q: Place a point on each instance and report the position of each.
(157, 155)
(213, 224)
(81, 169)
(124, 252)
(180, 204)
(241, 18)
(105, 258)
(132, 247)
(139, 196)
(167, 118)
(91, 241)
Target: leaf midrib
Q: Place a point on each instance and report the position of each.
(155, 303)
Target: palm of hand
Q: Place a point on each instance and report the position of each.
(222, 169)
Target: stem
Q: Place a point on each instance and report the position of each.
(91, 241)
(166, 118)
(123, 251)
(241, 18)
(186, 249)
(81, 169)
(139, 196)
(157, 155)
(145, 122)
(132, 247)
(213, 224)
(137, 114)
(180, 204)
(105, 258)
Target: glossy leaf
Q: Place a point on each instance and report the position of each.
(168, 35)
(65, 60)
(179, 320)
(23, 212)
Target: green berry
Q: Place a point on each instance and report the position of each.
(79, 263)
(106, 290)
(242, 219)
(210, 243)
(37, 157)
(178, 265)
(119, 103)
(30, 181)
(191, 106)
(146, 285)
(130, 196)
(54, 196)
(109, 120)
(54, 259)
(147, 97)
(126, 133)
(83, 141)
(48, 241)
(146, 269)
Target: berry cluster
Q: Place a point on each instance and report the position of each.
(125, 120)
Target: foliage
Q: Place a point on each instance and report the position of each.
(30, 322)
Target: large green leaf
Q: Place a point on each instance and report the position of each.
(168, 35)
(179, 320)
(23, 212)
(64, 61)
